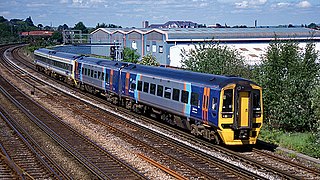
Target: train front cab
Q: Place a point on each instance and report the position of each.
(240, 117)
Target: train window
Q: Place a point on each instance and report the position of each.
(146, 87)
(214, 103)
(176, 94)
(194, 99)
(133, 86)
(102, 75)
(91, 73)
(152, 89)
(256, 101)
(227, 100)
(95, 74)
(88, 72)
(184, 96)
(139, 86)
(107, 78)
(159, 90)
(167, 92)
(99, 75)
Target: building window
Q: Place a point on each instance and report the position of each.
(134, 45)
(160, 49)
(148, 48)
(154, 48)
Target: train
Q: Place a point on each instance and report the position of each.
(222, 109)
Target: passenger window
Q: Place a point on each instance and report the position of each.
(227, 100)
(139, 86)
(152, 89)
(146, 87)
(184, 96)
(91, 73)
(167, 92)
(194, 99)
(159, 90)
(99, 75)
(176, 94)
(95, 74)
(88, 72)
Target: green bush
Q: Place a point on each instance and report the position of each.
(305, 143)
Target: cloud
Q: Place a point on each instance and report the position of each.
(243, 4)
(5, 13)
(304, 4)
(36, 5)
(246, 3)
(281, 5)
(64, 1)
(86, 3)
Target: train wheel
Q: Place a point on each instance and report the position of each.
(214, 137)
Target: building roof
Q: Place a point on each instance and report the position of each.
(223, 34)
(37, 33)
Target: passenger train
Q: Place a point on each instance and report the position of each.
(221, 109)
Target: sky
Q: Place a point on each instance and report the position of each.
(131, 13)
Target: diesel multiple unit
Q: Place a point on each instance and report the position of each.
(219, 108)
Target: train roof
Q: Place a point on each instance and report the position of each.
(99, 62)
(211, 80)
(63, 55)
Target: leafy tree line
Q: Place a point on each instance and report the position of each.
(289, 77)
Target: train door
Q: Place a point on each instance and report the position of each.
(243, 109)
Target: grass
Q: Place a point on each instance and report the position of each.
(305, 143)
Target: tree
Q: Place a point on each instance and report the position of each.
(57, 36)
(81, 26)
(2, 19)
(40, 26)
(130, 55)
(29, 21)
(312, 26)
(149, 60)
(289, 78)
(215, 59)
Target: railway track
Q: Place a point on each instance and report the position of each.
(101, 163)
(252, 162)
(24, 154)
(7, 168)
(191, 167)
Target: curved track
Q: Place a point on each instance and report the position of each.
(165, 150)
(103, 164)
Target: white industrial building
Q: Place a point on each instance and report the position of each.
(166, 44)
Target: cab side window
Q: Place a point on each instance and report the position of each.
(227, 100)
